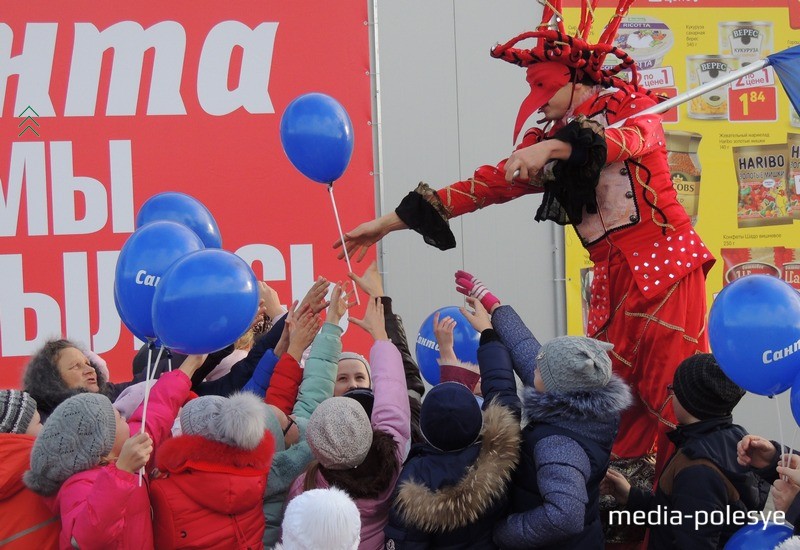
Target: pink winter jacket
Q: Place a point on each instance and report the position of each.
(390, 414)
(104, 507)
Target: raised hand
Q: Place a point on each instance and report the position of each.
(315, 297)
(479, 318)
(339, 304)
(373, 321)
(443, 330)
(371, 281)
(368, 233)
(302, 331)
(468, 285)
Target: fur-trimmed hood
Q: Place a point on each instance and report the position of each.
(595, 413)
(611, 399)
(483, 484)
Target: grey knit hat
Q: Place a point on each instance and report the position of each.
(239, 420)
(75, 437)
(357, 357)
(16, 411)
(574, 363)
(339, 433)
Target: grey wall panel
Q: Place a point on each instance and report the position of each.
(447, 107)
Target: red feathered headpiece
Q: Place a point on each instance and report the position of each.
(559, 57)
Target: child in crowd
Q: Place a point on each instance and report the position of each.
(451, 368)
(363, 458)
(86, 458)
(27, 521)
(288, 424)
(453, 488)
(212, 478)
(321, 518)
(571, 417)
(372, 284)
(703, 474)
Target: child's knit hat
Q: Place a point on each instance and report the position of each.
(574, 363)
(703, 389)
(450, 417)
(357, 357)
(239, 420)
(339, 433)
(321, 518)
(16, 411)
(78, 433)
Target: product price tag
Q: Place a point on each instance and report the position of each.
(672, 114)
(753, 104)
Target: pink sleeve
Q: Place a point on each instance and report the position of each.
(295, 488)
(167, 396)
(93, 510)
(390, 412)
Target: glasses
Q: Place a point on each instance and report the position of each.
(289, 425)
(670, 390)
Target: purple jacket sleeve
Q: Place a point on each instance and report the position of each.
(390, 413)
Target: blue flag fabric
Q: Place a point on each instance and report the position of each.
(787, 65)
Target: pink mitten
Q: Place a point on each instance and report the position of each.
(468, 285)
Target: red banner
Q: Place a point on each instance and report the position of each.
(129, 100)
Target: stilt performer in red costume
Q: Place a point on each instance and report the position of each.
(613, 186)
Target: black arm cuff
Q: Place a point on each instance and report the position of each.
(420, 215)
(489, 335)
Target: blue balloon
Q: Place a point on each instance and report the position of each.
(759, 535)
(143, 260)
(754, 331)
(465, 343)
(183, 209)
(205, 302)
(317, 136)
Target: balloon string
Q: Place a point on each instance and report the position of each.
(341, 236)
(151, 372)
(780, 431)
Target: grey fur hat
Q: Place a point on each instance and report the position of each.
(79, 433)
(339, 433)
(239, 420)
(574, 363)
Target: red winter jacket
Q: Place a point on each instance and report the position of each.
(208, 494)
(284, 384)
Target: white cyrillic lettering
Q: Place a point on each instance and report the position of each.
(122, 219)
(65, 186)
(214, 67)
(13, 303)
(76, 296)
(301, 257)
(129, 41)
(34, 67)
(273, 267)
(140, 277)
(108, 323)
(27, 162)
